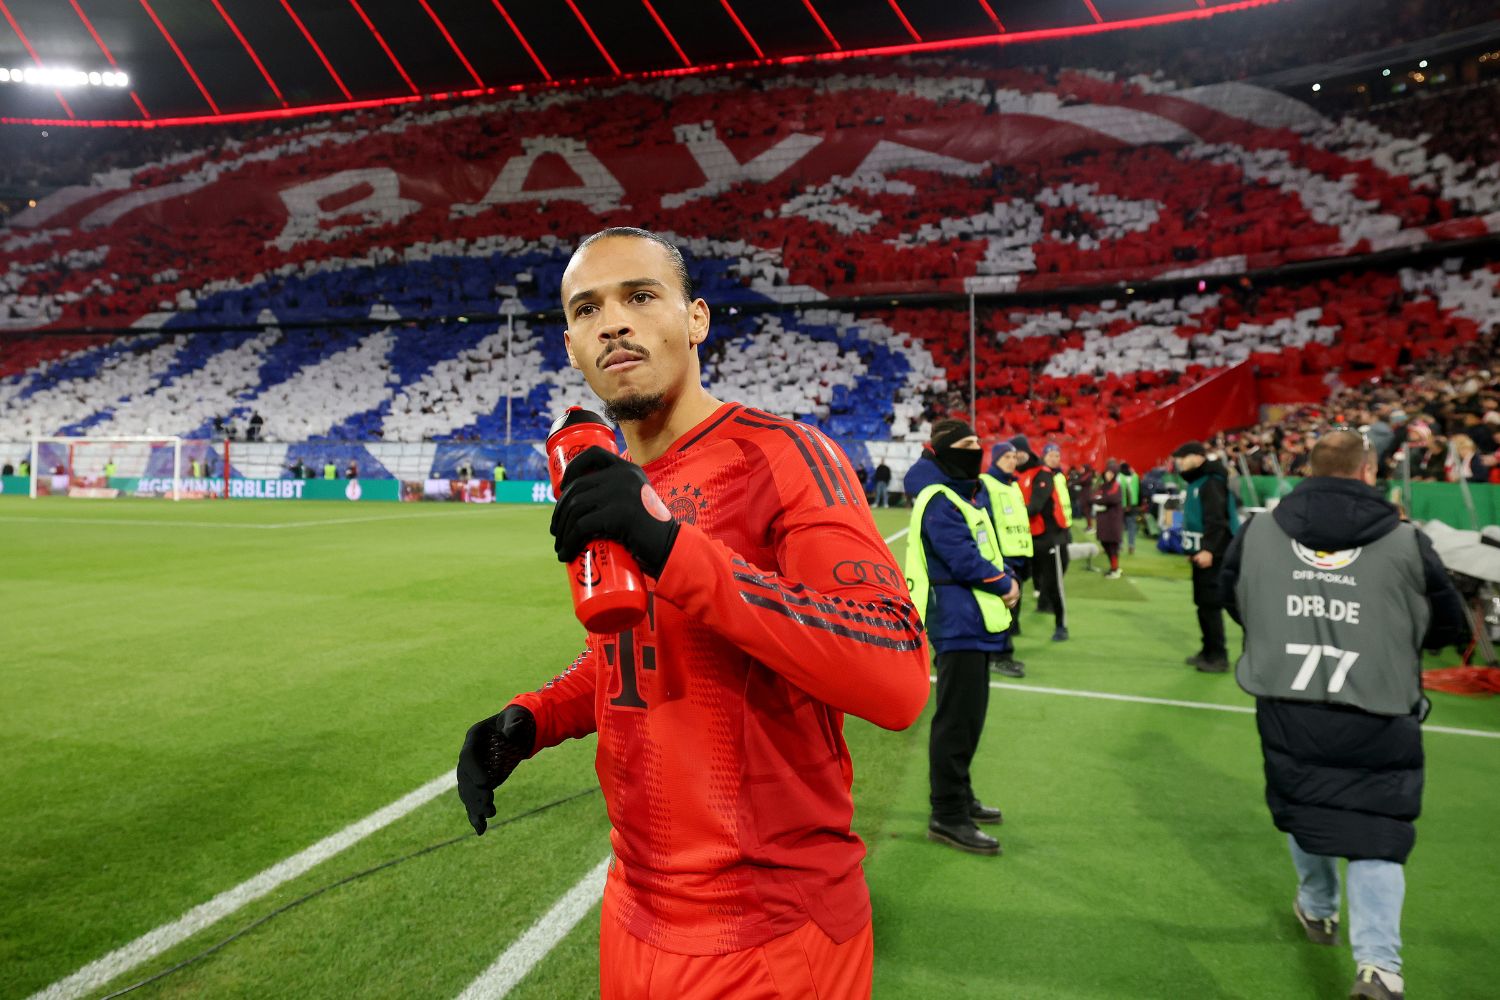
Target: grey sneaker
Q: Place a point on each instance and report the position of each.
(1008, 667)
(1378, 984)
(1320, 930)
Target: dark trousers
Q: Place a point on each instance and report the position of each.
(1210, 611)
(1022, 569)
(963, 698)
(1048, 565)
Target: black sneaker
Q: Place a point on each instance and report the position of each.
(1219, 666)
(964, 837)
(1061, 635)
(1320, 930)
(981, 813)
(1194, 660)
(1379, 984)
(1008, 667)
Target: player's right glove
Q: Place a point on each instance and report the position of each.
(491, 750)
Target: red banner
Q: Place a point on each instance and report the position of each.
(1217, 403)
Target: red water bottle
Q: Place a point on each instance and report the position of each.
(609, 591)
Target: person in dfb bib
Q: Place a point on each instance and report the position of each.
(1208, 525)
(964, 592)
(774, 609)
(1338, 596)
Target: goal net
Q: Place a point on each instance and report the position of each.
(111, 467)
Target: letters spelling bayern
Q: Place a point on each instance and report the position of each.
(1332, 609)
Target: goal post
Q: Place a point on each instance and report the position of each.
(139, 466)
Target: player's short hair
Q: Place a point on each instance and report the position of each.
(679, 265)
(1341, 453)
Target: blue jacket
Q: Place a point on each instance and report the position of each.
(955, 565)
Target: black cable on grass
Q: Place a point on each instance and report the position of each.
(334, 885)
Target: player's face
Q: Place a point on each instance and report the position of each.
(630, 330)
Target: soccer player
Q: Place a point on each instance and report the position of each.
(775, 609)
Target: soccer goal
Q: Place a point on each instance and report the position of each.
(112, 467)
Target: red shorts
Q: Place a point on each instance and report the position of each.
(803, 965)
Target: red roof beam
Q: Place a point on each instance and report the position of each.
(994, 19)
(663, 26)
(34, 57)
(522, 39)
(743, 30)
(181, 57)
(286, 5)
(821, 25)
(249, 51)
(384, 47)
(447, 37)
(904, 22)
(107, 54)
(597, 44)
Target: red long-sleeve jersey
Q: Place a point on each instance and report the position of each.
(720, 718)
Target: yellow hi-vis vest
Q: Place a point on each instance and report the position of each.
(1008, 510)
(330, 471)
(991, 608)
(1060, 484)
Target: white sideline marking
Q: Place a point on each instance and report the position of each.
(1206, 705)
(897, 535)
(540, 938)
(162, 522)
(123, 959)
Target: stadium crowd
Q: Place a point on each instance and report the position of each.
(1441, 414)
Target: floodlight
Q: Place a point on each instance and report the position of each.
(1422, 64)
(95, 79)
(1317, 87)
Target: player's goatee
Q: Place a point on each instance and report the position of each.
(637, 407)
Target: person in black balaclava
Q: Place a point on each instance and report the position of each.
(964, 592)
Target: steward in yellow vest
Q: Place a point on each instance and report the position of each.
(1046, 490)
(964, 592)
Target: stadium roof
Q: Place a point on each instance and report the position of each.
(205, 60)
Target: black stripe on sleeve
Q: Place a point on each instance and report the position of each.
(897, 622)
(709, 429)
(885, 642)
(812, 465)
(846, 474)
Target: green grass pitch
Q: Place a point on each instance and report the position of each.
(192, 693)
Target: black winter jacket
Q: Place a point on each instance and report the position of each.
(1346, 783)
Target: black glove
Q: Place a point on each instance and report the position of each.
(492, 749)
(604, 496)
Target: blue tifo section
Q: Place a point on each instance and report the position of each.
(89, 363)
(522, 461)
(454, 285)
(414, 353)
(315, 454)
(193, 355)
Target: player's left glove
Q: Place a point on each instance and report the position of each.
(491, 751)
(604, 496)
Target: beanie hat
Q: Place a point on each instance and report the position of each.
(1190, 448)
(949, 430)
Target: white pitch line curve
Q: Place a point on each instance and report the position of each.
(517, 961)
(153, 943)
